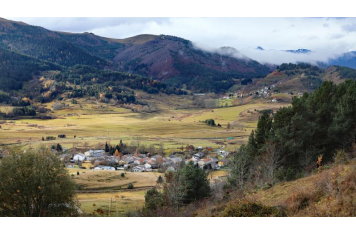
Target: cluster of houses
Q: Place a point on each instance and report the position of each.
(205, 158)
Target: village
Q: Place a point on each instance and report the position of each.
(267, 92)
(205, 158)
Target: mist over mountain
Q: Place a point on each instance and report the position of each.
(174, 60)
(171, 59)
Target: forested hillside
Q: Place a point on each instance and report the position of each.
(15, 69)
(286, 144)
(98, 46)
(44, 44)
(177, 61)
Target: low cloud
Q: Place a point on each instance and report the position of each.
(350, 27)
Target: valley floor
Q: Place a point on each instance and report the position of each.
(173, 128)
(105, 192)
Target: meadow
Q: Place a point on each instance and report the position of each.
(105, 193)
(172, 128)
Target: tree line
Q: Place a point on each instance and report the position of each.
(287, 144)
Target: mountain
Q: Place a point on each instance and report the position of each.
(260, 48)
(15, 69)
(302, 77)
(178, 61)
(299, 51)
(347, 59)
(46, 45)
(104, 48)
(174, 60)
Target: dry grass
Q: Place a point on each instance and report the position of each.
(329, 193)
(332, 192)
(173, 128)
(112, 180)
(111, 204)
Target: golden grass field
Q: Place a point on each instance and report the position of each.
(112, 180)
(100, 190)
(173, 128)
(112, 204)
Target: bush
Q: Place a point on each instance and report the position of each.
(290, 174)
(244, 208)
(130, 186)
(153, 200)
(210, 122)
(35, 183)
(340, 156)
(122, 175)
(57, 106)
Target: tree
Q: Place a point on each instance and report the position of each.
(210, 122)
(196, 183)
(107, 147)
(159, 180)
(270, 161)
(153, 201)
(116, 153)
(240, 168)
(174, 190)
(36, 183)
(264, 126)
(59, 148)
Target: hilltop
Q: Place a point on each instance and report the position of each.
(177, 61)
(43, 44)
(299, 78)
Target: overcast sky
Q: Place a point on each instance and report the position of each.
(326, 37)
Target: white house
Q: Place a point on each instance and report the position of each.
(104, 168)
(138, 169)
(222, 153)
(108, 168)
(79, 157)
(94, 153)
(198, 155)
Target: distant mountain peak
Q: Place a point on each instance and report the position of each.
(300, 51)
(228, 50)
(260, 48)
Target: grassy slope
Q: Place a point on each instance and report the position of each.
(330, 192)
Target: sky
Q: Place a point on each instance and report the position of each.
(326, 37)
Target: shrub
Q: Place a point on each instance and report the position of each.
(35, 183)
(243, 208)
(57, 106)
(130, 186)
(301, 200)
(290, 174)
(340, 156)
(153, 200)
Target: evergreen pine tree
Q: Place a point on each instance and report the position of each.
(107, 147)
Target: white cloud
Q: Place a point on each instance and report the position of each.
(326, 37)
